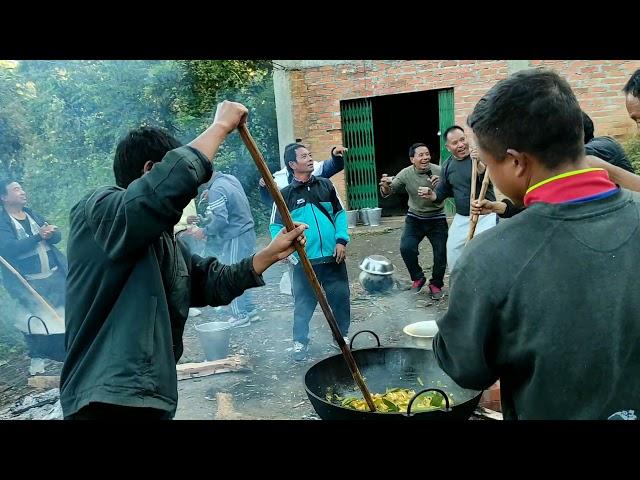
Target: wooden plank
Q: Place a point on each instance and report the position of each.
(44, 382)
(234, 363)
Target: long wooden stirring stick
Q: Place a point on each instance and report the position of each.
(306, 264)
(483, 192)
(54, 315)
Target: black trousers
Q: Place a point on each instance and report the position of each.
(414, 232)
(108, 411)
(335, 282)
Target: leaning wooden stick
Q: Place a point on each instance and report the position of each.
(474, 179)
(306, 264)
(483, 192)
(54, 315)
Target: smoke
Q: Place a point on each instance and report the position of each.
(60, 122)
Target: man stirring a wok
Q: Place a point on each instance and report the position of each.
(130, 284)
(527, 304)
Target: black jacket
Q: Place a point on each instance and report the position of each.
(610, 151)
(11, 248)
(130, 286)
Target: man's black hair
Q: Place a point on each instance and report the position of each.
(290, 155)
(533, 111)
(633, 85)
(136, 148)
(587, 125)
(414, 147)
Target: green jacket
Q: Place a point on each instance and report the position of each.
(548, 303)
(130, 286)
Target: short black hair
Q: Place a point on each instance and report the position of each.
(290, 155)
(587, 125)
(633, 85)
(451, 129)
(533, 111)
(414, 147)
(136, 148)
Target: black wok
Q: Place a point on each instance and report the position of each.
(383, 368)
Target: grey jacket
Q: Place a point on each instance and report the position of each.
(229, 213)
(548, 303)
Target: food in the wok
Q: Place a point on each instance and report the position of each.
(394, 400)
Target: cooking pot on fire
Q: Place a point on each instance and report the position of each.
(376, 275)
(383, 368)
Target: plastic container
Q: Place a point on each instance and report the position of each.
(214, 338)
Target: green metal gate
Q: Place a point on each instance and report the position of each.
(446, 119)
(360, 162)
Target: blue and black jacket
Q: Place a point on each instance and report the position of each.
(315, 203)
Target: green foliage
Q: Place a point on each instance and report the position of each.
(60, 122)
(632, 149)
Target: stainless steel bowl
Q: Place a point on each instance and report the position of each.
(377, 265)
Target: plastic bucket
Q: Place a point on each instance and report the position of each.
(214, 338)
(364, 216)
(374, 215)
(352, 218)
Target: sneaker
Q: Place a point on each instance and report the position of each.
(239, 322)
(334, 344)
(254, 316)
(435, 292)
(418, 284)
(194, 312)
(300, 351)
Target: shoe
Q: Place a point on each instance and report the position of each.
(194, 312)
(254, 316)
(239, 322)
(418, 284)
(435, 292)
(334, 344)
(300, 351)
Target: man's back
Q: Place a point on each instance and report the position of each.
(227, 189)
(610, 151)
(560, 352)
(123, 326)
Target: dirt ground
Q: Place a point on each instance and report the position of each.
(273, 387)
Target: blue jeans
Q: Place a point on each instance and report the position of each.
(333, 278)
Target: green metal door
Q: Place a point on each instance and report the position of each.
(446, 119)
(360, 162)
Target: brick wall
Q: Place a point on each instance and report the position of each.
(598, 86)
(316, 92)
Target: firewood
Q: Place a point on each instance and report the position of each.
(234, 363)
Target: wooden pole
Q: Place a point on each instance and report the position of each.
(304, 260)
(56, 318)
(483, 192)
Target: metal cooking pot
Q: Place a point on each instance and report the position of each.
(377, 265)
(382, 368)
(49, 345)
